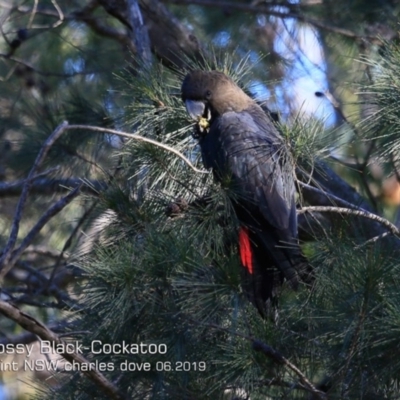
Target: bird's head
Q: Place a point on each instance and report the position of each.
(209, 94)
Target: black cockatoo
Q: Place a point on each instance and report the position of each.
(241, 144)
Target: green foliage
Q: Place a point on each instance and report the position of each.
(162, 267)
(382, 96)
(166, 272)
(308, 140)
(345, 317)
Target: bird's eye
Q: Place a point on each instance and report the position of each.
(208, 94)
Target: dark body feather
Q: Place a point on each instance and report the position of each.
(245, 151)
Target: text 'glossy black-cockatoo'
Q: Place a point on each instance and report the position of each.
(242, 146)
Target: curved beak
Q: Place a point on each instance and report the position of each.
(195, 109)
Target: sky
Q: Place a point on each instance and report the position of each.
(308, 74)
(306, 69)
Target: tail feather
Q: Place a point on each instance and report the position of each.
(266, 264)
(245, 250)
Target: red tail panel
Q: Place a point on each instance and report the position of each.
(245, 249)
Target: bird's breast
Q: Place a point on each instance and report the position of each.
(212, 150)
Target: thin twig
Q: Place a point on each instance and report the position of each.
(31, 67)
(60, 13)
(141, 139)
(330, 196)
(340, 210)
(68, 242)
(45, 186)
(373, 240)
(33, 13)
(326, 179)
(24, 195)
(268, 10)
(361, 165)
(33, 325)
(139, 32)
(29, 337)
(42, 283)
(9, 257)
(50, 213)
(84, 15)
(43, 251)
(275, 355)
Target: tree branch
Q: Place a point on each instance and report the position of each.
(140, 139)
(323, 198)
(274, 355)
(139, 31)
(271, 10)
(34, 326)
(280, 359)
(171, 40)
(104, 30)
(331, 183)
(38, 283)
(29, 337)
(53, 210)
(5, 258)
(9, 256)
(50, 186)
(340, 210)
